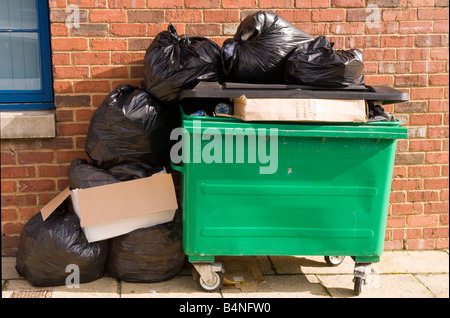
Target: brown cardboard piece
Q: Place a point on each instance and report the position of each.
(54, 203)
(128, 199)
(242, 274)
(292, 109)
(105, 207)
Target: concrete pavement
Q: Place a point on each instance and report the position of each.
(399, 274)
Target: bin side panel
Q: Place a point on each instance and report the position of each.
(328, 196)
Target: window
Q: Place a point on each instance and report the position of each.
(25, 65)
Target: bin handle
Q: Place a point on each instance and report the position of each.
(175, 167)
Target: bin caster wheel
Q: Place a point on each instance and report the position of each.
(334, 260)
(359, 282)
(213, 284)
(362, 270)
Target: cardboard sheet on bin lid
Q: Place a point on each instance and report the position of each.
(292, 109)
(126, 199)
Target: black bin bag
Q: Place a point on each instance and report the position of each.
(129, 126)
(258, 51)
(377, 113)
(83, 175)
(173, 63)
(46, 248)
(148, 255)
(133, 170)
(318, 63)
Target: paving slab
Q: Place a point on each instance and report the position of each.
(40, 293)
(380, 286)
(177, 287)
(399, 274)
(414, 262)
(9, 268)
(438, 284)
(20, 288)
(282, 286)
(309, 265)
(390, 262)
(106, 287)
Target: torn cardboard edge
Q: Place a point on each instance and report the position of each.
(115, 209)
(292, 109)
(54, 203)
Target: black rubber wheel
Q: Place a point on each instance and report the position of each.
(334, 260)
(210, 287)
(358, 285)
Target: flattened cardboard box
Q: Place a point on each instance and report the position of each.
(291, 109)
(116, 209)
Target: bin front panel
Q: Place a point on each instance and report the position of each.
(328, 195)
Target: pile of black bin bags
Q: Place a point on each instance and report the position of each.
(126, 140)
(129, 138)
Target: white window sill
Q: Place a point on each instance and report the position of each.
(27, 124)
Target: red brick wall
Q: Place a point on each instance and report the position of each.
(408, 50)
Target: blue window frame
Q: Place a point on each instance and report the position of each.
(26, 80)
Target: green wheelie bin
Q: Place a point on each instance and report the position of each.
(328, 194)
